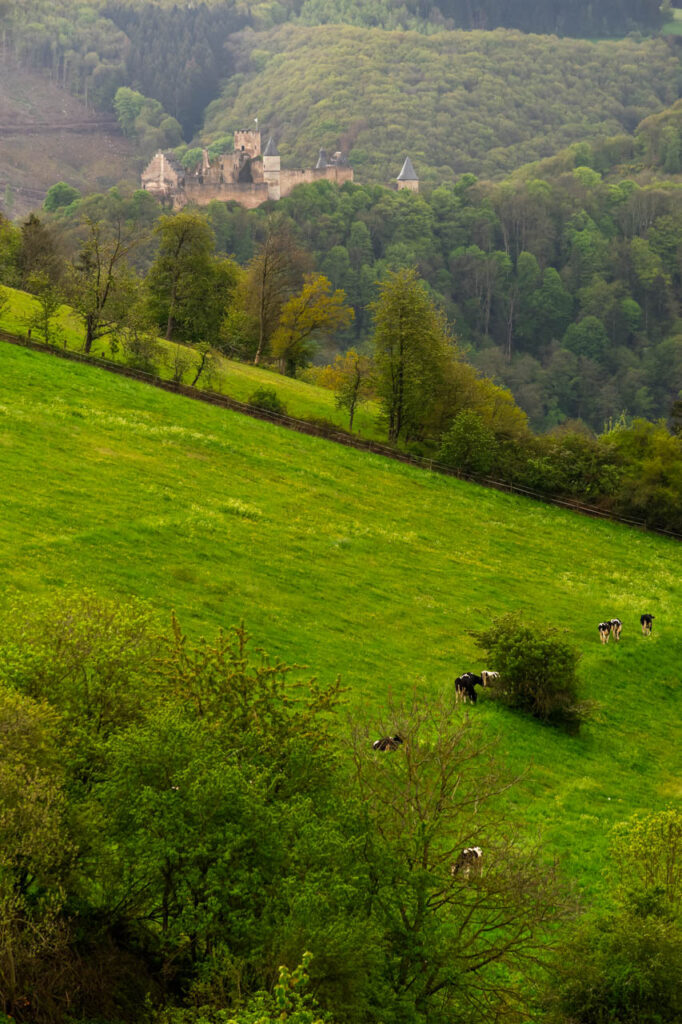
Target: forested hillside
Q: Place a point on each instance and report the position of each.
(482, 102)
(180, 55)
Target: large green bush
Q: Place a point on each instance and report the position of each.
(537, 670)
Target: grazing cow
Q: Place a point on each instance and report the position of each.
(647, 624)
(489, 677)
(604, 631)
(465, 686)
(468, 862)
(387, 743)
(616, 626)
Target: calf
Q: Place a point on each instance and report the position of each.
(616, 626)
(465, 686)
(489, 677)
(647, 624)
(387, 743)
(468, 862)
(604, 631)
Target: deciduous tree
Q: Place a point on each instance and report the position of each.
(315, 310)
(410, 351)
(272, 276)
(100, 283)
(352, 375)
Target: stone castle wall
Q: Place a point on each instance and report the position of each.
(247, 194)
(290, 179)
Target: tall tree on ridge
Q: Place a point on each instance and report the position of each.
(410, 352)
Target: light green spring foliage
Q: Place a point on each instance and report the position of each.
(349, 563)
(647, 853)
(442, 98)
(288, 1003)
(237, 380)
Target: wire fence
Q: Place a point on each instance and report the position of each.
(329, 432)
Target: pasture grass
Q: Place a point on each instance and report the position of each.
(674, 26)
(231, 378)
(352, 565)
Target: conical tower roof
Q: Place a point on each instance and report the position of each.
(271, 148)
(408, 172)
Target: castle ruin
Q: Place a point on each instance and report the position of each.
(246, 176)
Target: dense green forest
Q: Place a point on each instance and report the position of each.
(445, 99)
(181, 56)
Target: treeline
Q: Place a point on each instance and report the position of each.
(457, 102)
(606, 18)
(180, 819)
(565, 288)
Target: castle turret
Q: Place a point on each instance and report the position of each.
(408, 177)
(247, 142)
(271, 169)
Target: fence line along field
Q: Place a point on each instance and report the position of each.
(351, 564)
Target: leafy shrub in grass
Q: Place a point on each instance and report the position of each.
(268, 399)
(469, 445)
(537, 670)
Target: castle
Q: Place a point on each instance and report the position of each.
(246, 176)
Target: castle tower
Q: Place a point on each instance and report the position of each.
(247, 142)
(271, 169)
(408, 177)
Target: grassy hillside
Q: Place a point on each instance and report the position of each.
(349, 563)
(483, 102)
(231, 378)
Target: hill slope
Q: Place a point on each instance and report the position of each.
(483, 102)
(349, 563)
(32, 157)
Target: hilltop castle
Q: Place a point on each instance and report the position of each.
(246, 175)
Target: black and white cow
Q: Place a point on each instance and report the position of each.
(387, 743)
(604, 631)
(616, 626)
(647, 624)
(488, 678)
(469, 862)
(465, 686)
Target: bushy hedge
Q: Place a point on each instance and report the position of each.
(537, 670)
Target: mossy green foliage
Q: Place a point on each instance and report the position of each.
(351, 564)
(445, 99)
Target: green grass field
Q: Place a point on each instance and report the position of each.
(350, 564)
(236, 380)
(674, 27)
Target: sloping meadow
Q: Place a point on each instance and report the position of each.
(351, 565)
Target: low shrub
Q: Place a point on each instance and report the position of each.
(268, 399)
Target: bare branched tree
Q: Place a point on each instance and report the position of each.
(459, 939)
(101, 283)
